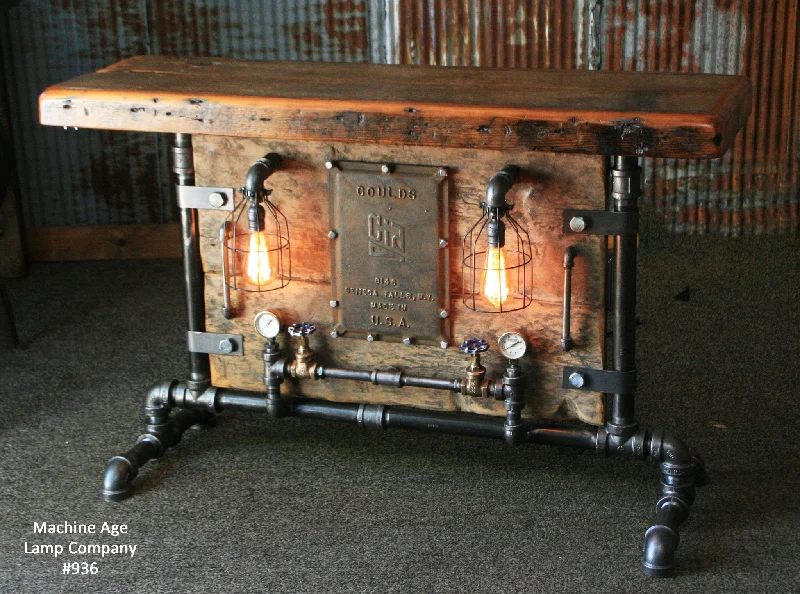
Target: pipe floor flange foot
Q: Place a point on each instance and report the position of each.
(117, 479)
(660, 543)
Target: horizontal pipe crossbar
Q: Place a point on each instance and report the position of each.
(403, 417)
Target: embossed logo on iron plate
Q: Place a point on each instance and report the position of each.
(389, 271)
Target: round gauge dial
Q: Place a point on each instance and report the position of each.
(512, 345)
(267, 324)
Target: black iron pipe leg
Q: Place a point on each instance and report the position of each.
(122, 469)
(680, 469)
(621, 435)
(662, 538)
(625, 192)
(163, 429)
(183, 168)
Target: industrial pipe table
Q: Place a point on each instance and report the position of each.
(416, 200)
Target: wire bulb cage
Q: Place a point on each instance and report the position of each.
(496, 265)
(256, 253)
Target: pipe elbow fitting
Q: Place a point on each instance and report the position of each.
(674, 451)
(117, 479)
(499, 185)
(260, 171)
(660, 543)
(159, 397)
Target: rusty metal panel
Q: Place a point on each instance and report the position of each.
(321, 30)
(754, 188)
(525, 34)
(394, 282)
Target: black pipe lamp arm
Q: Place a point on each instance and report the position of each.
(499, 185)
(259, 172)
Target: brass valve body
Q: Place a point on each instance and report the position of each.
(475, 383)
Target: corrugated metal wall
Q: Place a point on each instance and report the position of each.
(753, 189)
(93, 177)
(78, 177)
(89, 177)
(528, 34)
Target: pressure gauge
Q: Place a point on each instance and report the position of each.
(267, 324)
(512, 345)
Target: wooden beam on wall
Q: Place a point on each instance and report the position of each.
(104, 242)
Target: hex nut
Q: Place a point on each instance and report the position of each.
(577, 224)
(408, 341)
(328, 164)
(442, 172)
(576, 379)
(443, 314)
(334, 303)
(332, 234)
(370, 338)
(334, 333)
(386, 169)
(442, 242)
(443, 344)
(217, 199)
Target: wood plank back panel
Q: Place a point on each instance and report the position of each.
(648, 114)
(549, 184)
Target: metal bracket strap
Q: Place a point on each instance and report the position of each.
(600, 222)
(205, 197)
(215, 344)
(599, 380)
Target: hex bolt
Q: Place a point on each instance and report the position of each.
(226, 346)
(332, 234)
(443, 344)
(334, 333)
(370, 338)
(442, 172)
(443, 314)
(328, 164)
(442, 243)
(386, 169)
(408, 341)
(576, 379)
(217, 200)
(334, 303)
(577, 224)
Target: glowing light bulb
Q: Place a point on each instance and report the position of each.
(259, 270)
(495, 278)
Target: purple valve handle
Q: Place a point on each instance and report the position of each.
(474, 346)
(301, 329)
